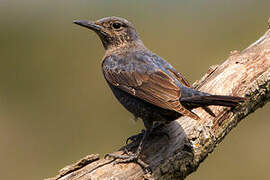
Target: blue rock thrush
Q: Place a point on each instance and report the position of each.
(144, 83)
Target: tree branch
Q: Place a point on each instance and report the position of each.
(245, 73)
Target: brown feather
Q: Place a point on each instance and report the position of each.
(157, 88)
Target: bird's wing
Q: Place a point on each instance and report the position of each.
(179, 77)
(147, 82)
(183, 80)
(170, 68)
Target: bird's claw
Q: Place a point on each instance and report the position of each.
(156, 132)
(129, 158)
(136, 137)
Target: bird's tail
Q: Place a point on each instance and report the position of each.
(217, 100)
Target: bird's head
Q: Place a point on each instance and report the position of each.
(113, 31)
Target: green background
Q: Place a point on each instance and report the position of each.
(55, 106)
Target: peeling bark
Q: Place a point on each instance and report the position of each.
(245, 74)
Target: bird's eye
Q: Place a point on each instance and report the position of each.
(116, 25)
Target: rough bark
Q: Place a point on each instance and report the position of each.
(245, 74)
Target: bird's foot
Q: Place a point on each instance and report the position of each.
(137, 137)
(129, 157)
(157, 131)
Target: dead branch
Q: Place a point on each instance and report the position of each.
(245, 73)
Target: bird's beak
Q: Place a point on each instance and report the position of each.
(88, 24)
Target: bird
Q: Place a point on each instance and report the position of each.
(146, 84)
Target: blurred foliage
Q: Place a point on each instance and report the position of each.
(55, 106)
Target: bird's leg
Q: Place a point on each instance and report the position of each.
(157, 127)
(134, 157)
(136, 137)
(135, 141)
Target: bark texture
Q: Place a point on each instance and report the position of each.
(245, 74)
